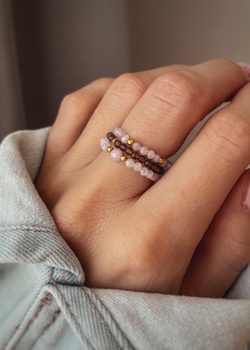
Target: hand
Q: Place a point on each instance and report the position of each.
(189, 233)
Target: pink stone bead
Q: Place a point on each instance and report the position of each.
(151, 154)
(136, 146)
(164, 163)
(129, 163)
(116, 154)
(137, 167)
(125, 138)
(118, 132)
(144, 150)
(149, 174)
(104, 143)
(144, 171)
(156, 158)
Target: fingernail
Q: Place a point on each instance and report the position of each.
(246, 196)
(245, 67)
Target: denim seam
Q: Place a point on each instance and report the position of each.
(28, 228)
(52, 281)
(56, 314)
(117, 334)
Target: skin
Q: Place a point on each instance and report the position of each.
(187, 234)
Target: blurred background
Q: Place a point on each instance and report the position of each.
(49, 48)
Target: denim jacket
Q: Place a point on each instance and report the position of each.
(45, 305)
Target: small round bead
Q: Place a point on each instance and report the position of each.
(161, 170)
(129, 163)
(135, 155)
(148, 163)
(118, 132)
(160, 161)
(164, 163)
(149, 174)
(125, 138)
(116, 154)
(153, 168)
(151, 154)
(104, 143)
(123, 158)
(136, 146)
(110, 136)
(156, 158)
(142, 159)
(117, 143)
(129, 151)
(130, 142)
(137, 167)
(123, 147)
(110, 149)
(144, 171)
(144, 150)
(155, 177)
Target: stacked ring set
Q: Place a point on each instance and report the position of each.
(122, 148)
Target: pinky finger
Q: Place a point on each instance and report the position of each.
(75, 111)
(225, 248)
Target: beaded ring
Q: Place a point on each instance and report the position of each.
(149, 164)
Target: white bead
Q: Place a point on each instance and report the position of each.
(144, 171)
(118, 132)
(164, 163)
(136, 146)
(149, 174)
(116, 154)
(151, 154)
(129, 163)
(104, 143)
(125, 138)
(144, 150)
(137, 167)
(156, 158)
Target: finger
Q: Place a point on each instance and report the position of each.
(117, 103)
(171, 106)
(225, 249)
(74, 113)
(202, 177)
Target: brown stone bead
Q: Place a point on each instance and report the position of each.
(123, 147)
(135, 155)
(148, 163)
(129, 151)
(153, 168)
(110, 136)
(142, 159)
(117, 143)
(161, 170)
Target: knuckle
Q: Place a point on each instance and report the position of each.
(178, 90)
(231, 132)
(128, 85)
(71, 102)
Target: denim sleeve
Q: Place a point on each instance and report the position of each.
(44, 303)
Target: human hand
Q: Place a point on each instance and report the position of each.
(189, 233)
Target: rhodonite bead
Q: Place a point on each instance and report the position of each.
(125, 138)
(137, 167)
(129, 151)
(118, 132)
(135, 155)
(156, 158)
(129, 163)
(110, 136)
(144, 171)
(104, 143)
(142, 159)
(117, 143)
(136, 146)
(116, 154)
(144, 150)
(149, 174)
(151, 154)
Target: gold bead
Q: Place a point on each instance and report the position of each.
(123, 158)
(114, 139)
(130, 142)
(160, 161)
(110, 149)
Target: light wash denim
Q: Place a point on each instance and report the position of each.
(45, 305)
